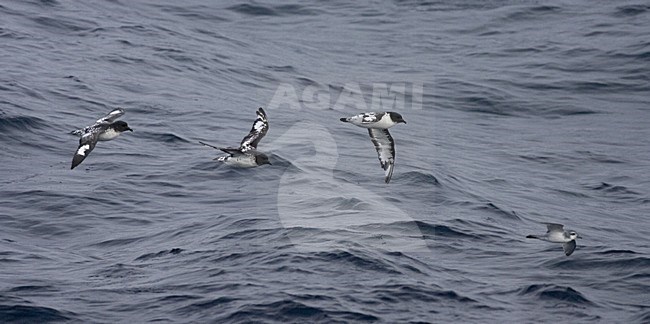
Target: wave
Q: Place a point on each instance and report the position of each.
(528, 13)
(202, 12)
(631, 10)
(149, 256)
(494, 209)
(394, 293)
(606, 187)
(65, 25)
(167, 138)
(555, 293)
(280, 10)
(618, 193)
(358, 259)
(629, 264)
(33, 314)
(616, 252)
(198, 307)
(431, 230)
(420, 178)
(287, 310)
(641, 317)
(21, 124)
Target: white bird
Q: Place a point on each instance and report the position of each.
(378, 125)
(104, 129)
(555, 233)
(246, 155)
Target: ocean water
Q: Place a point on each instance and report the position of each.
(519, 113)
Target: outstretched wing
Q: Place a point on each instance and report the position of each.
(230, 150)
(86, 145)
(385, 147)
(111, 116)
(569, 247)
(259, 129)
(552, 227)
(363, 119)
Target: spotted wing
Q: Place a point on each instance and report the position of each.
(370, 117)
(385, 147)
(363, 119)
(569, 247)
(86, 145)
(259, 129)
(552, 227)
(111, 116)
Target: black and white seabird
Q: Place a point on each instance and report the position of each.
(104, 129)
(378, 125)
(246, 155)
(555, 233)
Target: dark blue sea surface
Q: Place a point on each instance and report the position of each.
(519, 113)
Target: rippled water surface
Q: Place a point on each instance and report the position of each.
(528, 112)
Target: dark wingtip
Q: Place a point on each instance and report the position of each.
(209, 145)
(345, 120)
(530, 236)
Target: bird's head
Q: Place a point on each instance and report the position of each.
(573, 235)
(121, 126)
(397, 117)
(261, 158)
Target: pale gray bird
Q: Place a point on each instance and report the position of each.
(555, 233)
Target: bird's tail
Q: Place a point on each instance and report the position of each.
(345, 120)
(534, 237)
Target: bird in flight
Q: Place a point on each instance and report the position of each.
(378, 125)
(557, 234)
(104, 129)
(246, 155)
